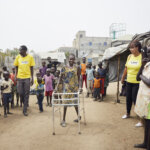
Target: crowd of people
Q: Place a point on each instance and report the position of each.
(72, 77)
(49, 78)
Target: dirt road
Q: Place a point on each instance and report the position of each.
(105, 130)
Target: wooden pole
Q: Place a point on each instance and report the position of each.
(118, 74)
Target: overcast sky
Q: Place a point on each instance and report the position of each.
(45, 25)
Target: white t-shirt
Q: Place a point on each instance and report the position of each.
(9, 83)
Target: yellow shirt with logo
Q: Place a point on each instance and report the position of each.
(24, 64)
(133, 65)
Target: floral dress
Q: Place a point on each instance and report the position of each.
(70, 82)
(142, 107)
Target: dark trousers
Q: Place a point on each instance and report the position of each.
(131, 94)
(6, 98)
(96, 92)
(14, 92)
(147, 134)
(40, 101)
(23, 88)
(105, 90)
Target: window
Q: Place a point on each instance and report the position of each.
(105, 43)
(90, 43)
(81, 35)
(100, 44)
(82, 45)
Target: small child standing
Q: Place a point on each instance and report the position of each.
(40, 93)
(48, 79)
(42, 70)
(97, 86)
(90, 77)
(6, 89)
(94, 70)
(58, 83)
(102, 73)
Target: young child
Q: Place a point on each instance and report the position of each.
(48, 79)
(40, 93)
(14, 89)
(58, 85)
(94, 70)
(53, 70)
(33, 90)
(6, 89)
(102, 73)
(90, 77)
(97, 86)
(42, 70)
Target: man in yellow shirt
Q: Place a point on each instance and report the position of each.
(24, 72)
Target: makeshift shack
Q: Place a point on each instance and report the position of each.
(117, 56)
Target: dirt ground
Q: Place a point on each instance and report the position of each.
(105, 129)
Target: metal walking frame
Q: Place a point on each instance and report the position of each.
(58, 102)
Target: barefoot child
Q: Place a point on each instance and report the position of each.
(40, 93)
(6, 89)
(48, 79)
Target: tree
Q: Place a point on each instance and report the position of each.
(67, 54)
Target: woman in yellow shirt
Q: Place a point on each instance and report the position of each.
(132, 67)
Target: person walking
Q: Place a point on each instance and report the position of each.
(24, 72)
(70, 75)
(132, 67)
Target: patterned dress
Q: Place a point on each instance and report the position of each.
(142, 107)
(70, 82)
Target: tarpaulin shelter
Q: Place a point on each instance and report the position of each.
(111, 55)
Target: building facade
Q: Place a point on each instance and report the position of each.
(86, 45)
